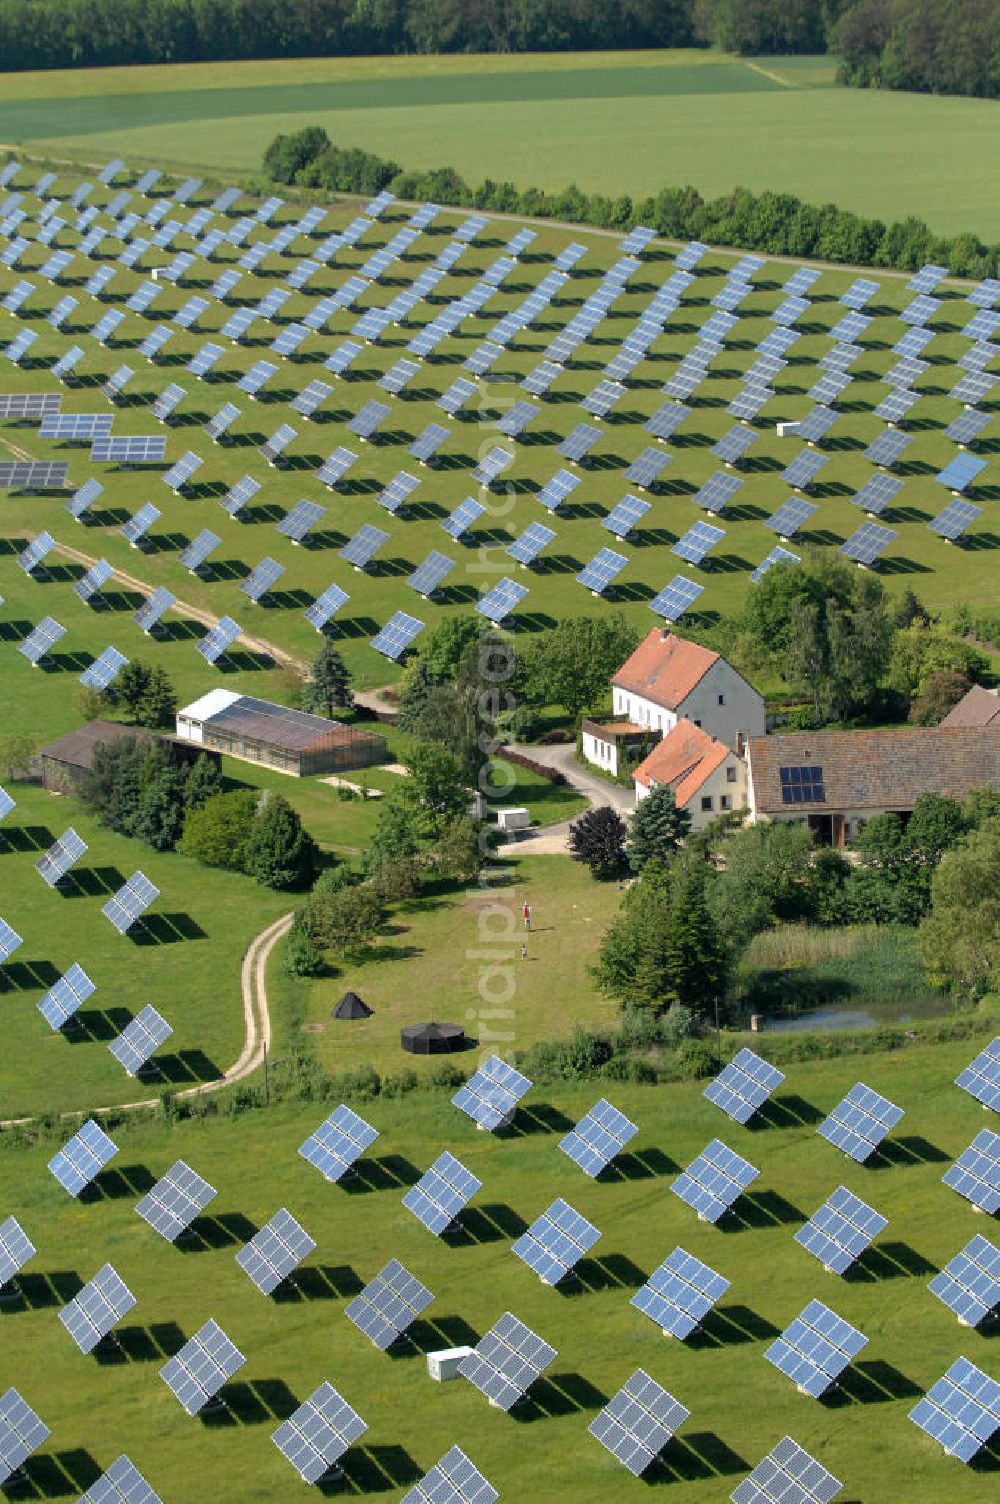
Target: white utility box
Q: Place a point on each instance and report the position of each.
(443, 1365)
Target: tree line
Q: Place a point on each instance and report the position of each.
(779, 224)
(99, 33)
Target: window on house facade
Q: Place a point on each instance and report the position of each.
(725, 802)
(722, 699)
(706, 802)
(730, 774)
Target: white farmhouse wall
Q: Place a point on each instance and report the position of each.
(741, 710)
(604, 754)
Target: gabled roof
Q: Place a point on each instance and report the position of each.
(664, 668)
(875, 770)
(977, 707)
(683, 760)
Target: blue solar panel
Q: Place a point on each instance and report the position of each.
(697, 542)
(529, 544)
(81, 1158)
(981, 1078)
(714, 1181)
(868, 542)
(501, 599)
(462, 518)
(506, 1361)
(961, 1411)
(363, 547)
(679, 1294)
(602, 570)
(199, 549)
(859, 1123)
(338, 1143)
(218, 639)
(555, 1242)
(960, 472)
(492, 1093)
(840, 1231)
(600, 1135)
(64, 998)
(441, 1193)
(976, 1172)
(744, 1085)
(623, 517)
(815, 1349)
(674, 599)
(969, 1285)
(787, 1475)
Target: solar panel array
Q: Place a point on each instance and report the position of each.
(841, 1230)
(16, 1249)
(744, 1085)
(674, 599)
(22, 1432)
(969, 1284)
(491, 1094)
(442, 1193)
(54, 864)
(338, 1143)
(976, 1172)
(274, 1252)
(961, 1411)
(638, 1421)
(859, 1123)
(555, 1242)
(176, 1199)
(714, 1181)
(981, 1078)
(787, 1475)
(135, 1046)
(815, 1349)
(453, 1480)
(204, 1364)
(599, 1136)
(130, 902)
(388, 1305)
(680, 1293)
(506, 1361)
(92, 1313)
(82, 1157)
(318, 1433)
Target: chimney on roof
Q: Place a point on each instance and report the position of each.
(665, 634)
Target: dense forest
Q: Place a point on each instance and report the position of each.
(943, 46)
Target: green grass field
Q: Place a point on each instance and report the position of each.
(438, 950)
(614, 122)
(740, 1405)
(916, 559)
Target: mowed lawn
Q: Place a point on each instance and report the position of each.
(740, 1405)
(186, 962)
(611, 122)
(456, 958)
(916, 558)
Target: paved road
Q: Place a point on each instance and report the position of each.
(554, 839)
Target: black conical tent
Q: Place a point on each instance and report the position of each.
(432, 1038)
(351, 1006)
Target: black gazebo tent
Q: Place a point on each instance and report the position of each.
(432, 1038)
(351, 1006)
